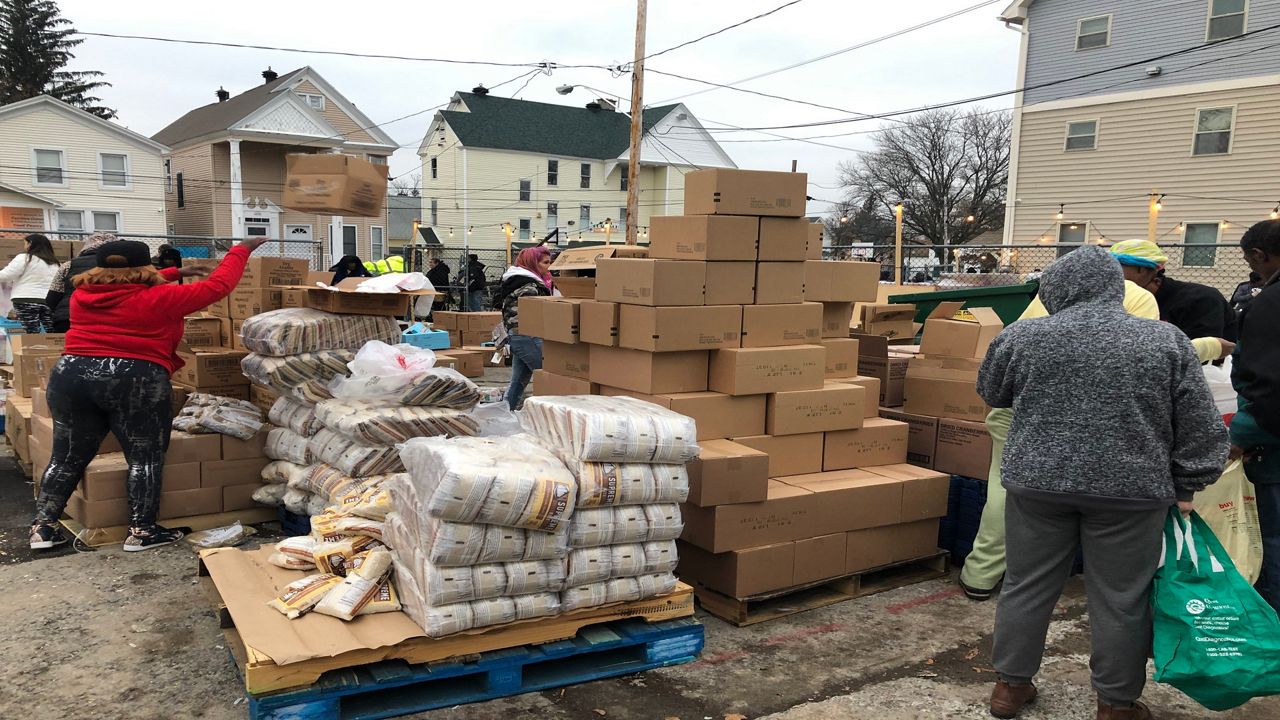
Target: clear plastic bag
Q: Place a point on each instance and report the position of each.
(353, 458)
(611, 429)
(285, 444)
(405, 375)
(629, 483)
(270, 494)
(298, 330)
(288, 373)
(378, 423)
(294, 414)
(283, 472)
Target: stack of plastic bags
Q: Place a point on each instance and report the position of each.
(628, 460)
(287, 446)
(479, 531)
(205, 414)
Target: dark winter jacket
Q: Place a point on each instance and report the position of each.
(1255, 373)
(59, 297)
(1105, 405)
(439, 276)
(516, 283)
(1197, 310)
(476, 281)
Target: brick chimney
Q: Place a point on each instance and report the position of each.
(269, 75)
(223, 95)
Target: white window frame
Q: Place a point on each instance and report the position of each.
(584, 173)
(556, 183)
(307, 100)
(621, 222)
(553, 218)
(288, 231)
(1208, 23)
(435, 168)
(35, 169)
(1057, 237)
(525, 193)
(379, 251)
(168, 176)
(584, 226)
(1195, 130)
(1080, 26)
(524, 228)
(102, 172)
(342, 240)
(93, 225)
(435, 212)
(57, 225)
(376, 159)
(1066, 141)
(1217, 240)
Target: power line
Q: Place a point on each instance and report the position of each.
(723, 29)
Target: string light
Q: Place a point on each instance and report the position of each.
(970, 218)
(1225, 224)
(844, 218)
(1160, 202)
(1061, 210)
(1275, 213)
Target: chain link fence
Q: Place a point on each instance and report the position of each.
(197, 246)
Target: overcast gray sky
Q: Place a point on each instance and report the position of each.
(154, 83)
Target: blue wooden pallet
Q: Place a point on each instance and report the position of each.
(393, 688)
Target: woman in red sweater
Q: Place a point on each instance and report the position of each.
(126, 323)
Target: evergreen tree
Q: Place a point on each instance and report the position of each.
(35, 47)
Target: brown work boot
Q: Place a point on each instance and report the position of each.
(1111, 712)
(1007, 700)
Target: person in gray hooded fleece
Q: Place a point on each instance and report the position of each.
(1113, 422)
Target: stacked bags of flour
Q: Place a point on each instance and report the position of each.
(628, 461)
(479, 531)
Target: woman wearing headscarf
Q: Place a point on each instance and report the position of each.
(524, 279)
(114, 376)
(349, 266)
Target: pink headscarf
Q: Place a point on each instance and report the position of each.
(529, 259)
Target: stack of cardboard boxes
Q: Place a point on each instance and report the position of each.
(733, 320)
(468, 331)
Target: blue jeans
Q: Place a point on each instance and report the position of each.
(475, 300)
(526, 356)
(1268, 584)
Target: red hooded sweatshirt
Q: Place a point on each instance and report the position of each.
(145, 322)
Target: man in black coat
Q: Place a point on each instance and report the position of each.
(1197, 310)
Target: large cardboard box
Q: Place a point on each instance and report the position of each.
(779, 325)
(727, 472)
(486, 353)
(739, 573)
(598, 323)
(239, 391)
(220, 473)
(560, 321)
(202, 331)
(237, 449)
(545, 383)
(924, 491)
(872, 387)
(484, 321)
(276, 271)
(724, 191)
(819, 558)
(788, 454)
(530, 310)
(950, 331)
(717, 415)
(964, 448)
(945, 387)
(783, 239)
(470, 363)
(245, 302)
(703, 237)
(670, 329)
(893, 321)
(650, 373)
(731, 283)
(239, 497)
(565, 359)
(263, 398)
(33, 358)
(107, 476)
(878, 359)
(779, 282)
(188, 448)
(448, 319)
(752, 371)
(333, 184)
(870, 548)
(207, 367)
(836, 317)
(575, 268)
(832, 407)
(173, 504)
(841, 281)
(475, 338)
(650, 282)
(877, 442)
(916, 539)
(922, 435)
(18, 413)
(229, 333)
(842, 360)
(813, 249)
(190, 503)
(344, 299)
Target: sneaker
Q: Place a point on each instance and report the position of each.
(153, 538)
(976, 594)
(44, 537)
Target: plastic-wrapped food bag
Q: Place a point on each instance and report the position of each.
(353, 458)
(536, 605)
(283, 472)
(405, 375)
(611, 429)
(301, 596)
(629, 483)
(379, 423)
(233, 421)
(285, 444)
(358, 588)
(287, 373)
(298, 330)
(326, 480)
(296, 415)
(270, 494)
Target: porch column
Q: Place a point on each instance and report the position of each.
(237, 192)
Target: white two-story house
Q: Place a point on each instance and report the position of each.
(1125, 97)
(489, 162)
(62, 168)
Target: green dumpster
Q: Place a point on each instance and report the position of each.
(1009, 301)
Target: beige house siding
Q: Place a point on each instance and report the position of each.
(336, 117)
(141, 205)
(196, 215)
(1145, 145)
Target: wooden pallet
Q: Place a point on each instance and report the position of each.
(781, 603)
(262, 675)
(98, 537)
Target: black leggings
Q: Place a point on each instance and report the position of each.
(91, 396)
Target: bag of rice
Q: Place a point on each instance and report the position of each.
(356, 525)
(285, 444)
(295, 501)
(380, 423)
(611, 429)
(603, 483)
(302, 547)
(296, 415)
(358, 588)
(385, 600)
(301, 596)
(337, 557)
(286, 373)
(299, 330)
(317, 504)
(282, 472)
(233, 421)
(270, 494)
(289, 562)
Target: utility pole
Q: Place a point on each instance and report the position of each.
(637, 122)
(897, 244)
(1153, 215)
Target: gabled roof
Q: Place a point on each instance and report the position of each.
(507, 124)
(85, 118)
(34, 196)
(1016, 13)
(220, 117)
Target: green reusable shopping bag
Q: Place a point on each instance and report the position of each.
(1215, 638)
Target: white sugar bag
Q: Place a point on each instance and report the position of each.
(583, 596)
(447, 585)
(547, 546)
(605, 483)
(534, 576)
(614, 428)
(296, 415)
(630, 523)
(591, 527)
(489, 580)
(588, 565)
(494, 611)
(285, 444)
(621, 590)
(537, 605)
(664, 522)
(660, 556)
(448, 619)
(503, 544)
(627, 560)
(655, 584)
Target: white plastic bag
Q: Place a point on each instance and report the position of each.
(1230, 508)
(1224, 394)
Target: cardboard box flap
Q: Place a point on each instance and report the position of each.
(888, 313)
(945, 310)
(584, 258)
(984, 316)
(352, 285)
(944, 368)
(247, 582)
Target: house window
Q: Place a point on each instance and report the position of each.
(1082, 135)
(182, 197)
(435, 212)
(584, 218)
(622, 184)
(70, 220)
(1213, 131)
(1071, 234)
(313, 101)
(553, 215)
(49, 168)
(1227, 19)
(377, 159)
(526, 190)
(168, 176)
(108, 221)
(376, 242)
(297, 233)
(586, 176)
(1094, 32)
(526, 225)
(349, 240)
(622, 218)
(1205, 234)
(435, 169)
(553, 172)
(114, 170)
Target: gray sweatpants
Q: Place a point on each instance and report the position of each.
(1121, 551)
